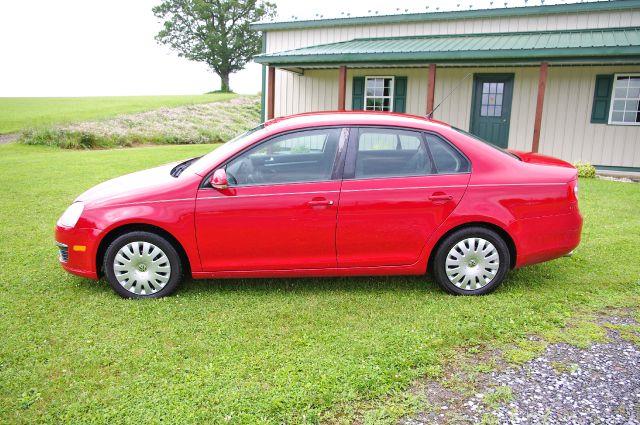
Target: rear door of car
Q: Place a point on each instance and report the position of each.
(394, 196)
(279, 212)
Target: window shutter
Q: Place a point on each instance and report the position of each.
(602, 99)
(357, 94)
(400, 95)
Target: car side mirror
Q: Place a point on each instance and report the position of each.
(219, 179)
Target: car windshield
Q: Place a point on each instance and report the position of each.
(504, 151)
(246, 133)
(225, 148)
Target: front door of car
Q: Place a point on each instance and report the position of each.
(279, 212)
(398, 187)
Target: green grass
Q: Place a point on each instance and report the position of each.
(525, 351)
(501, 395)
(258, 351)
(208, 123)
(19, 113)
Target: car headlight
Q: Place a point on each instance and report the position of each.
(71, 216)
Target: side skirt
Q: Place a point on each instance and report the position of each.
(413, 269)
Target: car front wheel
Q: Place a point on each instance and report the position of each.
(142, 265)
(471, 261)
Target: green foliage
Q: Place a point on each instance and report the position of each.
(208, 123)
(216, 33)
(65, 139)
(630, 333)
(585, 169)
(489, 419)
(20, 113)
(247, 351)
(525, 351)
(581, 334)
(500, 395)
(560, 367)
(29, 397)
(69, 139)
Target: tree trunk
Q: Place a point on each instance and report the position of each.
(224, 76)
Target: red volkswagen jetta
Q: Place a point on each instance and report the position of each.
(328, 194)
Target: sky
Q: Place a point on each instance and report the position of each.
(107, 47)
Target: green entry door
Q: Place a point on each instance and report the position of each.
(491, 107)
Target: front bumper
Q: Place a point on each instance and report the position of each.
(80, 246)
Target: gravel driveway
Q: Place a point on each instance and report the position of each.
(565, 385)
(7, 138)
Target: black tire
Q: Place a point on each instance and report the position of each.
(174, 275)
(439, 266)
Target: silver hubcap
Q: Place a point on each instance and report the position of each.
(142, 268)
(472, 263)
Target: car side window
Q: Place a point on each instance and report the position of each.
(446, 158)
(385, 152)
(303, 156)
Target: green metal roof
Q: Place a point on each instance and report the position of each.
(589, 6)
(521, 46)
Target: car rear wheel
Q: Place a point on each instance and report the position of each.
(471, 261)
(142, 265)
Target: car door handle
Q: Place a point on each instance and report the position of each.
(440, 197)
(320, 202)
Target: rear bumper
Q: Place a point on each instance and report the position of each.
(81, 247)
(545, 238)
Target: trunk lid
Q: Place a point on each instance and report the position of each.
(536, 158)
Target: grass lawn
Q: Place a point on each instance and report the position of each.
(257, 351)
(19, 113)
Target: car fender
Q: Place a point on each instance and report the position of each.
(467, 212)
(173, 217)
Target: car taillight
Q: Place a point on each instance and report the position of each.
(573, 190)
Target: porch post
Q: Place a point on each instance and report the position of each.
(342, 87)
(271, 93)
(431, 87)
(542, 84)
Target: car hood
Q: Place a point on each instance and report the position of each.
(536, 158)
(146, 185)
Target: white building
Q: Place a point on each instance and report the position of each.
(563, 80)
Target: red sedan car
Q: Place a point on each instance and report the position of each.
(328, 194)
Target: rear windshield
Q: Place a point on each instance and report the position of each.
(473, 136)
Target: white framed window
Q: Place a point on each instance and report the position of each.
(378, 93)
(625, 100)
(492, 97)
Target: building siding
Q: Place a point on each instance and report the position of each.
(456, 110)
(566, 129)
(316, 90)
(281, 40)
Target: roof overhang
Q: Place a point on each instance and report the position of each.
(568, 46)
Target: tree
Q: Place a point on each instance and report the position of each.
(213, 31)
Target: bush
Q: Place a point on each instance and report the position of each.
(585, 169)
(69, 139)
(65, 139)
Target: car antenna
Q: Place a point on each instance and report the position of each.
(430, 114)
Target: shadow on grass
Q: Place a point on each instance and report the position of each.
(313, 285)
(359, 284)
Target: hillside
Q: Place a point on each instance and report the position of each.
(190, 124)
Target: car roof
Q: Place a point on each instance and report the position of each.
(348, 118)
